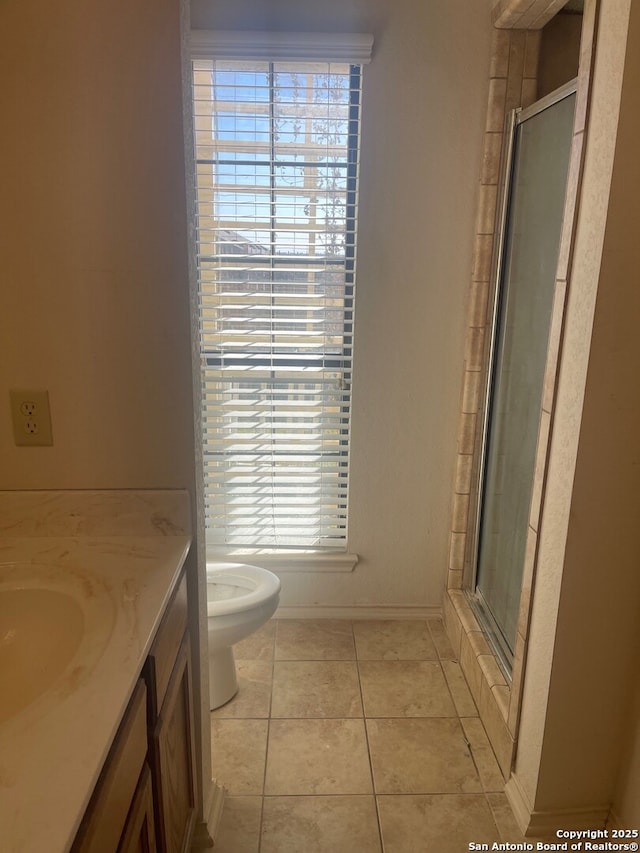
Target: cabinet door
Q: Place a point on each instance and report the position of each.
(165, 648)
(105, 818)
(174, 759)
(139, 833)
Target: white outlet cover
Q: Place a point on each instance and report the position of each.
(31, 417)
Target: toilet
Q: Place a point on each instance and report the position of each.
(240, 598)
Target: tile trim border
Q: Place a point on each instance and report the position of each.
(524, 14)
(471, 650)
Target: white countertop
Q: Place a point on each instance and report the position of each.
(52, 752)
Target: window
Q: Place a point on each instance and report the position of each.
(277, 182)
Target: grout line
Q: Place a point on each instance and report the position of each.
(460, 718)
(366, 736)
(446, 680)
(266, 752)
(314, 660)
(349, 719)
(332, 795)
(367, 796)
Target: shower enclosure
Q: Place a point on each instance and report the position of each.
(535, 165)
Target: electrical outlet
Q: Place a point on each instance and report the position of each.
(31, 418)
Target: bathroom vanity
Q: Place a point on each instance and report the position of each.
(145, 797)
(101, 756)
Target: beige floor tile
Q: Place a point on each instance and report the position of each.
(404, 688)
(259, 645)
(253, 698)
(444, 823)
(421, 756)
(239, 830)
(506, 822)
(441, 639)
(482, 754)
(394, 640)
(462, 698)
(320, 825)
(316, 689)
(238, 750)
(314, 639)
(317, 757)
(318, 779)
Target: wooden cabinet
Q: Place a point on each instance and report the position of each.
(140, 835)
(105, 820)
(145, 799)
(171, 745)
(174, 759)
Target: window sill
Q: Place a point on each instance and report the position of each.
(288, 561)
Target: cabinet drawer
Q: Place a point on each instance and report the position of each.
(106, 815)
(165, 647)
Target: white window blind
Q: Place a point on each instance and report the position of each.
(277, 183)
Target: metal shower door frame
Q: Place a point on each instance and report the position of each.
(513, 120)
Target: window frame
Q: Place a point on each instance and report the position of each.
(261, 47)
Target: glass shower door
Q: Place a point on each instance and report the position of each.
(523, 312)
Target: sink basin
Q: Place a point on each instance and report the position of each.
(54, 625)
(40, 632)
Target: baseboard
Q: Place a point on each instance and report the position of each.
(615, 822)
(519, 802)
(215, 812)
(364, 612)
(204, 835)
(543, 823)
(200, 840)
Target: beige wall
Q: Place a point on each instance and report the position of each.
(94, 288)
(424, 100)
(94, 296)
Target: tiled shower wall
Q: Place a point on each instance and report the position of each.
(512, 84)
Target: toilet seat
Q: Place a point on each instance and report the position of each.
(234, 587)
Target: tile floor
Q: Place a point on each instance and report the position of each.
(358, 736)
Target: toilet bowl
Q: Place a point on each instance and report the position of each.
(240, 598)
